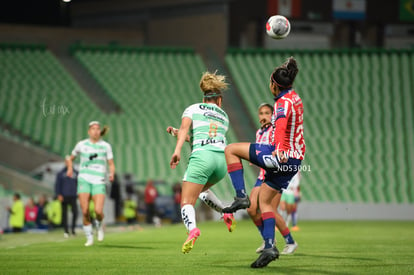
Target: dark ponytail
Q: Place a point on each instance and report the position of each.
(285, 75)
(292, 68)
(105, 130)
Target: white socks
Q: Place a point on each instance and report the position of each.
(188, 216)
(98, 224)
(209, 198)
(88, 231)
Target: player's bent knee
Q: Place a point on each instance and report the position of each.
(99, 213)
(229, 149)
(251, 211)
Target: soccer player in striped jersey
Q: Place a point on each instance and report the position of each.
(207, 125)
(281, 159)
(95, 159)
(264, 136)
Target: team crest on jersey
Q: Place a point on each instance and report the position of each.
(280, 112)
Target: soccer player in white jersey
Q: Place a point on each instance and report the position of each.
(207, 125)
(208, 196)
(95, 159)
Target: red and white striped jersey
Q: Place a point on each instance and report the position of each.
(264, 136)
(287, 121)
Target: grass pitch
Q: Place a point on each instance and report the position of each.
(324, 248)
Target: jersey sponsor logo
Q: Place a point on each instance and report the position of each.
(211, 141)
(211, 115)
(92, 156)
(212, 108)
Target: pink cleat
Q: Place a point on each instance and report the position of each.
(230, 221)
(189, 243)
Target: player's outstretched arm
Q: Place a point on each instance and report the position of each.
(174, 132)
(181, 137)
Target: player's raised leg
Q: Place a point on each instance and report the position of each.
(234, 153)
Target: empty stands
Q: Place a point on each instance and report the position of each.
(358, 118)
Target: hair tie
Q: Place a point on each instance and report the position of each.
(274, 81)
(210, 94)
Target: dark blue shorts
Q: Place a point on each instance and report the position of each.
(278, 174)
(258, 183)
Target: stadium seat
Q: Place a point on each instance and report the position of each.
(357, 104)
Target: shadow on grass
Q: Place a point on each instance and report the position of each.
(335, 257)
(127, 246)
(272, 268)
(302, 270)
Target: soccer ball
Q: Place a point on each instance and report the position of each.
(278, 27)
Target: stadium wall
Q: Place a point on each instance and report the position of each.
(354, 211)
(12, 180)
(15, 154)
(58, 39)
(197, 24)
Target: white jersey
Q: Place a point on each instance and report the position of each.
(93, 160)
(209, 127)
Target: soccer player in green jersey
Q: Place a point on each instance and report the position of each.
(206, 123)
(95, 159)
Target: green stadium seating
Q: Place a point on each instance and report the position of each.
(152, 86)
(358, 118)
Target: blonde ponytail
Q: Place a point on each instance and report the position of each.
(213, 82)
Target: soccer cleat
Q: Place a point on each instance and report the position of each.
(260, 248)
(189, 243)
(89, 241)
(289, 248)
(101, 234)
(238, 203)
(268, 255)
(230, 221)
(295, 228)
(65, 235)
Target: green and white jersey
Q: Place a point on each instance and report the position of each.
(93, 160)
(210, 124)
